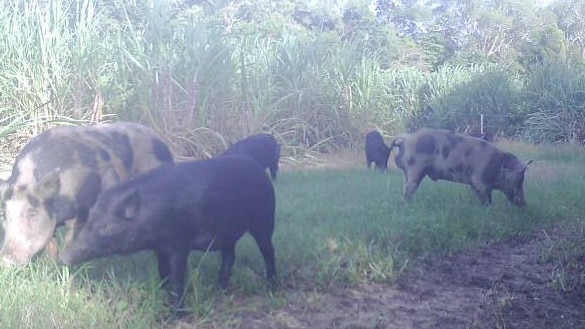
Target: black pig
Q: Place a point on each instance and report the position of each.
(261, 147)
(485, 136)
(200, 205)
(376, 150)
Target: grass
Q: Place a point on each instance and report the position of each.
(45, 295)
(335, 228)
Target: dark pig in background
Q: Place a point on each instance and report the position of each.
(442, 154)
(200, 205)
(57, 176)
(376, 150)
(261, 147)
(485, 136)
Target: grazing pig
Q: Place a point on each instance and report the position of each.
(442, 154)
(376, 150)
(484, 136)
(57, 176)
(200, 205)
(261, 147)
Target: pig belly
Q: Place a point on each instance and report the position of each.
(204, 241)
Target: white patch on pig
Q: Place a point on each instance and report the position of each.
(16, 211)
(26, 176)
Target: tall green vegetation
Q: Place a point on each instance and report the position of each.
(206, 74)
(456, 98)
(555, 104)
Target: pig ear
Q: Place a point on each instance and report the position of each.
(109, 178)
(49, 184)
(131, 205)
(396, 143)
(526, 165)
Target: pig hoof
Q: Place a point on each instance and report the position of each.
(179, 314)
(273, 284)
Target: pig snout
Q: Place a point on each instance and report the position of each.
(8, 261)
(77, 252)
(10, 258)
(65, 258)
(69, 258)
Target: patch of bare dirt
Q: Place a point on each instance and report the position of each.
(528, 282)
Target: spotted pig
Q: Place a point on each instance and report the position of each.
(376, 150)
(261, 147)
(202, 205)
(57, 176)
(442, 154)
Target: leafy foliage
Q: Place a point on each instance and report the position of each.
(457, 97)
(316, 74)
(555, 104)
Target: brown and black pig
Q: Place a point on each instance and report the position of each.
(57, 176)
(442, 154)
(376, 150)
(261, 147)
(202, 205)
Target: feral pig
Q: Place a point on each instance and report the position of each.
(57, 176)
(442, 154)
(376, 150)
(202, 205)
(261, 147)
(485, 136)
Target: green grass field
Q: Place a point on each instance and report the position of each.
(334, 228)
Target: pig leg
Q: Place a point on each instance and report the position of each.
(378, 164)
(163, 268)
(73, 226)
(273, 169)
(483, 193)
(228, 257)
(267, 250)
(381, 158)
(172, 267)
(52, 248)
(368, 160)
(411, 181)
(485, 196)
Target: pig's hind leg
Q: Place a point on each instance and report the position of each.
(228, 258)
(264, 243)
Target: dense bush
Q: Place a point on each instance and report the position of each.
(208, 75)
(554, 102)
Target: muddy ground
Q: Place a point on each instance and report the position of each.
(531, 281)
(527, 282)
